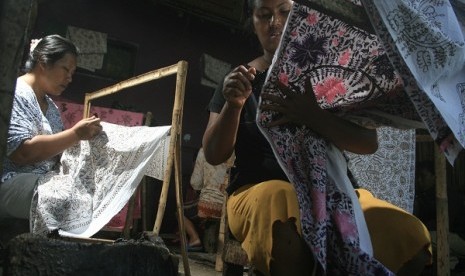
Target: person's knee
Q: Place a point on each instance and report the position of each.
(416, 265)
(287, 242)
(290, 254)
(276, 190)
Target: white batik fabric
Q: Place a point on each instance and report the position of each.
(425, 43)
(211, 181)
(389, 173)
(96, 179)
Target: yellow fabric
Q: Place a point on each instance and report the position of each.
(396, 235)
(252, 210)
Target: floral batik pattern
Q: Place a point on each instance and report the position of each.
(361, 74)
(347, 68)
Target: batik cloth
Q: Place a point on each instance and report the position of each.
(389, 173)
(211, 181)
(92, 46)
(425, 43)
(96, 179)
(350, 73)
(71, 113)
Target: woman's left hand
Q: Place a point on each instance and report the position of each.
(294, 107)
(303, 109)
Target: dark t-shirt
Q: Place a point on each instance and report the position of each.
(255, 161)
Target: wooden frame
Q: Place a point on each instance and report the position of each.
(442, 209)
(174, 154)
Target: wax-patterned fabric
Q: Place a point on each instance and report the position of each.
(425, 43)
(389, 173)
(71, 113)
(351, 73)
(97, 178)
(346, 67)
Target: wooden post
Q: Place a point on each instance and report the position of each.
(220, 247)
(442, 210)
(174, 155)
(148, 122)
(442, 214)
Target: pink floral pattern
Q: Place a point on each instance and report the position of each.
(330, 89)
(343, 78)
(71, 113)
(334, 55)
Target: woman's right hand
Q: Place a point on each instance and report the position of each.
(87, 128)
(220, 135)
(237, 86)
(43, 147)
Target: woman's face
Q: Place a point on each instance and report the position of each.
(58, 75)
(269, 18)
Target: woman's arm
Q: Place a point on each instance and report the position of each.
(43, 147)
(219, 138)
(303, 109)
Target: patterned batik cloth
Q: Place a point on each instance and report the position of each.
(92, 47)
(389, 173)
(351, 74)
(425, 43)
(71, 113)
(211, 181)
(97, 178)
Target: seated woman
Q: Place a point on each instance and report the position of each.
(263, 209)
(35, 136)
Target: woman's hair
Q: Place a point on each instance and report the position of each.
(49, 50)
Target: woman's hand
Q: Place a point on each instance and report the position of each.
(43, 147)
(237, 86)
(303, 109)
(295, 107)
(219, 138)
(87, 128)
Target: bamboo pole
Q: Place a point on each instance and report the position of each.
(221, 239)
(442, 214)
(84, 240)
(174, 154)
(137, 80)
(180, 90)
(174, 158)
(442, 209)
(148, 122)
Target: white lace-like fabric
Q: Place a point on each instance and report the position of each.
(426, 45)
(211, 181)
(97, 178)
(389, 173)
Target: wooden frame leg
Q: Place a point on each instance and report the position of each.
(442, 214)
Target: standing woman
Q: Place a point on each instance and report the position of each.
(35, 136)
(263, 209)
